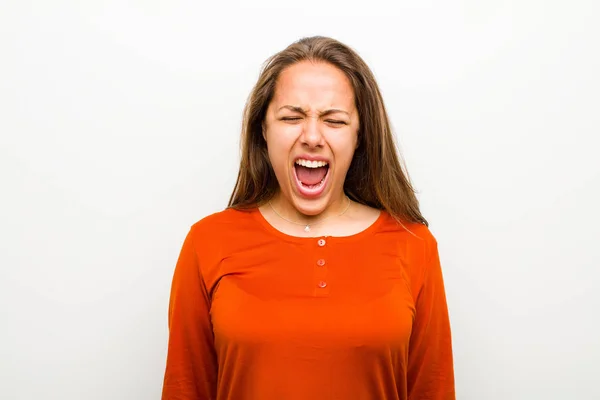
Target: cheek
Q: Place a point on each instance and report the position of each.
(279, 146)
(343, 151)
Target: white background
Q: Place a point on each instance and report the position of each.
(120, 126)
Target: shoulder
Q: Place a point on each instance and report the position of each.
(415, 236)
(221, 221)
(218, 235)
(224, 228)
(412, 243)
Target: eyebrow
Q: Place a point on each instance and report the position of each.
(324, 113)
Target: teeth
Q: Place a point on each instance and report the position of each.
(311, 164)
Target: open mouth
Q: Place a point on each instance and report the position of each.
(311, 175)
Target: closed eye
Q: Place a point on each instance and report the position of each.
(329, 121)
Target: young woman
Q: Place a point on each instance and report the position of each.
(321, 280)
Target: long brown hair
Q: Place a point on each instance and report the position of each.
(375, 177)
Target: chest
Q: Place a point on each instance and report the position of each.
(325, 296)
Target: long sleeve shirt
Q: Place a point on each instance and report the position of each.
(256, 314)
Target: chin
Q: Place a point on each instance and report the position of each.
(310, 207)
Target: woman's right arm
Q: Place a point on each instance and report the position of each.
(191, 368)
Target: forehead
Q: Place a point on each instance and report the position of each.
(314, 85)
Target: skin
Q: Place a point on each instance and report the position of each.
(312, 112)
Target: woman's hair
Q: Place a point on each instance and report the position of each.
(375, 176)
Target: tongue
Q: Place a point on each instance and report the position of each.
(310, 176)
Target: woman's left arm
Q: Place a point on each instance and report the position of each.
(430, 361)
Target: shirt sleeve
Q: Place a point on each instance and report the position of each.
(191, 367)
(430, 361)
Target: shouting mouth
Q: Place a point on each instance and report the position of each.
(311, 176)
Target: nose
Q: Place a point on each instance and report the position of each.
(312, 136)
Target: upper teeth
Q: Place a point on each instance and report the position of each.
(311, 164)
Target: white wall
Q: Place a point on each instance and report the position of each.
(119, 129)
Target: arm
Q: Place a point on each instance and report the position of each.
(191, 368)
(430, 362)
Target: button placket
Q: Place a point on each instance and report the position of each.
(320, 266)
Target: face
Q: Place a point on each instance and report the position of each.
(311, 129)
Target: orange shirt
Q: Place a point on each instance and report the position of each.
(256, 314)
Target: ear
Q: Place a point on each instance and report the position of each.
(264, 130)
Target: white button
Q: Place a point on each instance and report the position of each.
(321, 262)
(322, 284)
(321, 242)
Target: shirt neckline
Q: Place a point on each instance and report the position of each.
(302, 239)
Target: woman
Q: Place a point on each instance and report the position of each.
(321, 280)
